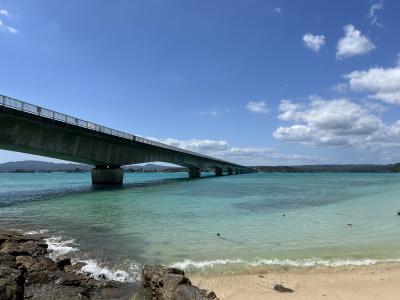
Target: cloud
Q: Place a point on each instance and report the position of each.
(4, 27)
(211, 113)
(373, 13)
(243, 155)
(353, 43)
(4, 12)
(314, 42)
(259, 107)
(382, 84)
(278, 9)
(336, 122)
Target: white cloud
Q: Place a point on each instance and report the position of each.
(12, 29)
(373, 12)
(4, 12)
(380, 83)
(212, 113)
(4, 27)
(336, 122)
(259, 107)
(242, 155)
(314, 42)
(278, 9)
(353, 43)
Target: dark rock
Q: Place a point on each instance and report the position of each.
(7, 260)
(38, 268)
(102, 276)
(11, 283)
(75, 267)
(170, 283)
(55, 291)
(149, 272)
(208, 294)
(63, 262)
(281, 289)
(188, 292)
(21, 246)
(64, 278)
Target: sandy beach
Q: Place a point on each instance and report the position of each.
(350, 283)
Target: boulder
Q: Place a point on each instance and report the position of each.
(169, 283)
(11, 283)
(63, 262)
(38, 268)
(157, 271)
(7, 260)
(77, 267)
(17, 247)
(187, 292)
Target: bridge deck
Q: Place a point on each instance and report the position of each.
(37, 130)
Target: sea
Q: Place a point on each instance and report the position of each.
(213, 225)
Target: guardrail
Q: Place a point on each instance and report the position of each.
(50, 114)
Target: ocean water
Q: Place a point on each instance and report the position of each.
(270, 220)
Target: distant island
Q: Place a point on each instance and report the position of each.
(390, 168)
(33, 166)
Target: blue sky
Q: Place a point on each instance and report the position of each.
(255, 82)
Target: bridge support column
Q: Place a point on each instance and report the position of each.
(230, 171)
(218, 172)
(107, 175)
(194, 173)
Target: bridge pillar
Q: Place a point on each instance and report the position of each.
(194, 173)
(218, 172)
(107, 175)
(230, 171)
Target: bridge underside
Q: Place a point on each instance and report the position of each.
(23, 132)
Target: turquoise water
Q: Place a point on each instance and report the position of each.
(264, 220)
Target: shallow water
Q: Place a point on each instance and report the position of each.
(264, 220)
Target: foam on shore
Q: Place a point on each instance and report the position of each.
(188, 264)
(59, 246)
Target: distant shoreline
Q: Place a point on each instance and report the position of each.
(30, 166)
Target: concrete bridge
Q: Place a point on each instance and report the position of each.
(36, 130)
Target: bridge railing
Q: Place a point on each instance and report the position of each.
(50, 114)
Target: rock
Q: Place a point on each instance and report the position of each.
(281, 289)
(188, 292)
(77, 267)
(55, 291)
(38, 268)
(149, 272)
(208, 294)
(7, 260)
(26, 270)
(63, 262)
(64, 278)
(18, 247)
(170, 283)
(11, 283)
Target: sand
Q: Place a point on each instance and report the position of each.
(378, 282)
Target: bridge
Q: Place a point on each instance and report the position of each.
(28, 128)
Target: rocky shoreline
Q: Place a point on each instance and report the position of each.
(27, 272)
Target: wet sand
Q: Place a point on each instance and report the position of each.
(347, 283)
